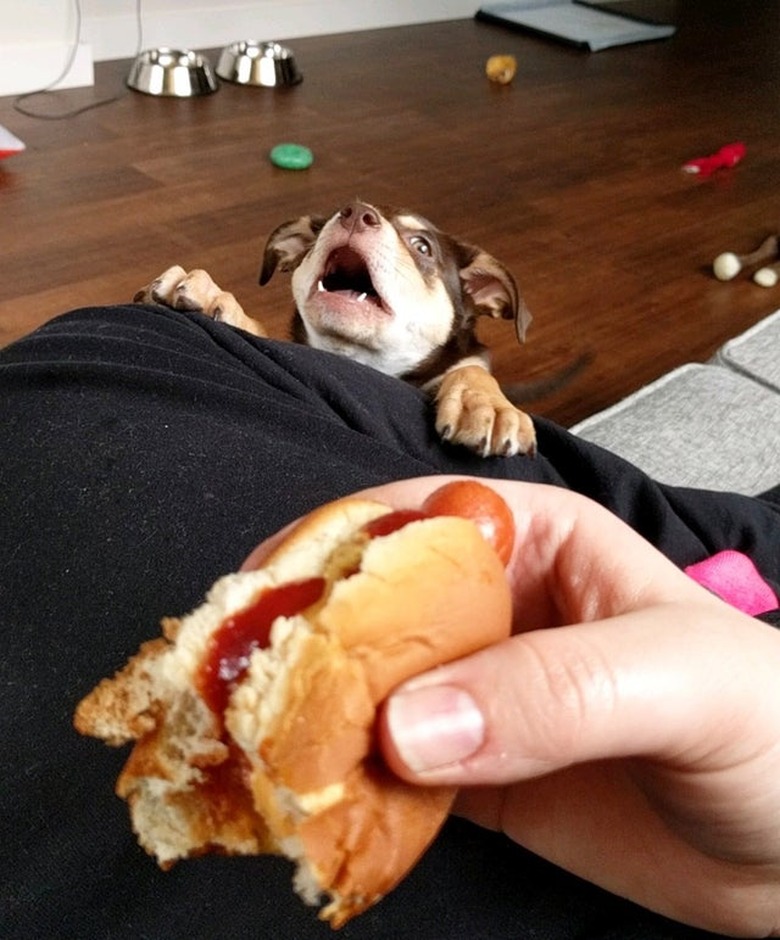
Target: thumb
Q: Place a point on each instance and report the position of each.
(660, 681)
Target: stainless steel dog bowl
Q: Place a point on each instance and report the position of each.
(176, 73)
(269, 64)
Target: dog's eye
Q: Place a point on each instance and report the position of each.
(421, 244)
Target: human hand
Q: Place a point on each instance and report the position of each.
(629, 731)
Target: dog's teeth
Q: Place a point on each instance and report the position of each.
(362, 297)
(320, 286)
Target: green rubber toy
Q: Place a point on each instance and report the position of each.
(292, 156)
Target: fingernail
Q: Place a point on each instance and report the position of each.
(434, 726)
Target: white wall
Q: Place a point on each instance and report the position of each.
(36, 36)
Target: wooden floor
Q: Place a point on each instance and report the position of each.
(571, 176)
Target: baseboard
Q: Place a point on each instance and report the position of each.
(225, 21)
(32, 66)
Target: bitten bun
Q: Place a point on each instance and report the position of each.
(273, 749)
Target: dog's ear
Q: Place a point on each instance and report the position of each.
(494, 291)
(287, 245)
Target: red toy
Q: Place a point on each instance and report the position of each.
(727, 156)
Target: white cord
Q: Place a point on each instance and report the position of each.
(68, 66)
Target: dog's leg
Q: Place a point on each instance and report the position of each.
(195, 291)
(472, 410)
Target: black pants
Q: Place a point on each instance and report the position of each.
(144, 453)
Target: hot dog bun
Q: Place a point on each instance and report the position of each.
(287, 761)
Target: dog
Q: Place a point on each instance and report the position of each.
(386, 288)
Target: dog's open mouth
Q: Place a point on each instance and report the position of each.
(346, 273)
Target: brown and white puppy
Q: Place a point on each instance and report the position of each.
(386, 288)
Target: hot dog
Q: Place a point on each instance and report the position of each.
(253, 717)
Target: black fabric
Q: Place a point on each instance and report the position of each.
(772, 495)
(145, 453)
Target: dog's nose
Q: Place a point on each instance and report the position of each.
(358, 217)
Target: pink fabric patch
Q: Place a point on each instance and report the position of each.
(735, 579)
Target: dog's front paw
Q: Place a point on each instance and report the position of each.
(472, 410)
(196, 292)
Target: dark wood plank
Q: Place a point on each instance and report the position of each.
(571, 176)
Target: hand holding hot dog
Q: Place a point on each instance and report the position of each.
(629, 730)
